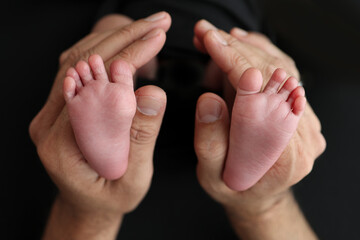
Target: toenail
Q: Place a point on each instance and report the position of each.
(209, 110)
(148, 105)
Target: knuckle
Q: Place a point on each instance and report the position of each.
(128, 56)
(127, 30)
(74, 55)
(125, 54)
(209, 150)
(142, 134)
(232, 40)
(238, 61)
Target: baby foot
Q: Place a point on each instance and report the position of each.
(261, 127)
(101, 110)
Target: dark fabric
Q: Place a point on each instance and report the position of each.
(185, 13)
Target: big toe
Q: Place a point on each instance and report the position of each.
(250, 82)
(121, 73)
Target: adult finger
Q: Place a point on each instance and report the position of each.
(102, 29)
(112, 45)
(224, 53)
(110, 22)
(83, 45)
(258, 40)
(266, 59)
(151, 104)
(199, 45)
(142, 50)
(202, 27)
(211, 138)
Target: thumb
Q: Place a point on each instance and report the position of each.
(211, 138)
(151, 103)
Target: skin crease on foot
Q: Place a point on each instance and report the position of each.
(262, 125)
(101, 109)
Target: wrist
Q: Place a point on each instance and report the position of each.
(282, 220)
(66, 221)
(255, 208)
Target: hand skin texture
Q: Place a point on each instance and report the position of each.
(88, 206)
(268, 210)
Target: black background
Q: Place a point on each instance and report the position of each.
(322, 37)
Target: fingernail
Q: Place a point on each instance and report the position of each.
(151, 34)
(209, 110)
(220, 39)
(148, 105)
(240, 32)
(155, 17)
(207, 25)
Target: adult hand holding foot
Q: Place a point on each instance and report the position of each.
(89, 206)
(267, 210)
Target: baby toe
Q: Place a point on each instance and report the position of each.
(288, 87)
(98, 68)
(84, 72)
(275, 81)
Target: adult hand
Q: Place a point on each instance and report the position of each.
(270, 200)
(88, 206)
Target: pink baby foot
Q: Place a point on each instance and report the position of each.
(261, 127)
(101, 110)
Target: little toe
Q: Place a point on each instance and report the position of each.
(121, 73)
(288, 87)
(98, 68)
(299, 105)
(250, 82)
(71, 72)
(275, 81)
(69, 88)
(297, 92)
(84, 72)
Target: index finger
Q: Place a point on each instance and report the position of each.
(122, 38)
